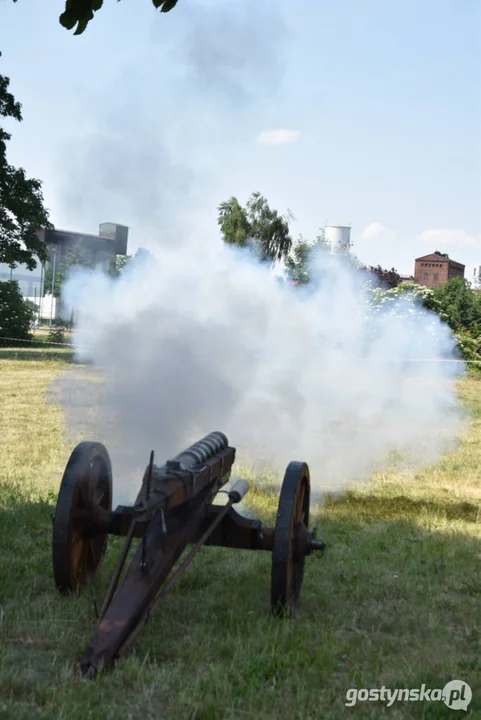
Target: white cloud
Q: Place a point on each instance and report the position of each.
(378, 231)
(277, 137)
(456, 238)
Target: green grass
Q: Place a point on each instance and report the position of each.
(395, 601)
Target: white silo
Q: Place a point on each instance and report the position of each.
(477, 278)
(338, 237)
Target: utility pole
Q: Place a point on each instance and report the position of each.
(54, 250)
(40, 295)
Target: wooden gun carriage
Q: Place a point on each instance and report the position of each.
(174, 509)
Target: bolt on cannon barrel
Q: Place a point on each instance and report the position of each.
(198, 453)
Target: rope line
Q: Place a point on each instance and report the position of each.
(472, 362)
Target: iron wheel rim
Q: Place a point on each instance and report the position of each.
(288, 553)
(86, 482)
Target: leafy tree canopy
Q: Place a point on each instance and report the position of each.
(388, 278)
(461, 305)
(255, 223)
(80, 12)
(297, 264)
(22, 213)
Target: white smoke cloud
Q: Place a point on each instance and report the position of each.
(205, 338)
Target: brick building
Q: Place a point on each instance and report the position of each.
(435, 269)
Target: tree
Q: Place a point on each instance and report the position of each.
(22, 213)
(257, 224)
(81, 12)
(419, 295)
(233, 223)
(297, 262)
(16, 313)
(116, 264)
(461, 305)
(74, 258)
(143, 254)
(388, 278)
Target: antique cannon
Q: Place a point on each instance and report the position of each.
(173, 509)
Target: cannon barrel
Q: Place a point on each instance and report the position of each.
(199, 452)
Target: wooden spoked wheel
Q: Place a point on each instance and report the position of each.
(290, 539)
(77, 552)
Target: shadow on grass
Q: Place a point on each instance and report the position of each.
(38, 352)
(373, 507)
(390, 603)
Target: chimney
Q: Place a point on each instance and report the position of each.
(118, 233)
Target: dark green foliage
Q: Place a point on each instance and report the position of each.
(116, 264)
(233, 222)
(80, 12)
(470, 347)
(57, 333)
(257, 224)
(420, 294)
(462, 308)
(22, 212)
(388, 278)
(297, 262)
(16, 313)
(461, 305)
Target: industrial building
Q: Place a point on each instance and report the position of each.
(436, 269)
(97, 250)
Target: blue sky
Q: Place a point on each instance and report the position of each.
(151, 120)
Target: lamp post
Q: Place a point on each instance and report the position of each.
(54, 250)
(40, 295)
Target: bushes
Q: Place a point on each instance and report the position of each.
(57, 331)
(461, 305)
(454, 303)
(17, 316)
(16, 313)
(470, 349)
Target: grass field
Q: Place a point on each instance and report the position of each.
(395, 601)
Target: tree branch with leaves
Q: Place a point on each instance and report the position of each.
(256, 224)
(22, 213)
(80, 12)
